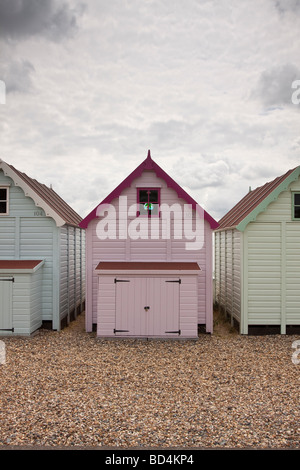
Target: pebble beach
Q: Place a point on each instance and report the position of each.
(67, 388)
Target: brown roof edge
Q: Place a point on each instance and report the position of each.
(19, 263)
(148, 266)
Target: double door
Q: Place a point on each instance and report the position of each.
(147, 306)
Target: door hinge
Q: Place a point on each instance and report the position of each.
(177, 280)
(121, 280)
(177, 331)
(7, 329)
(121, 331)
(11, 279)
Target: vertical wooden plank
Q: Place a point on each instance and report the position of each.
(172, 310)
(220, 270)
(188, 307)
(89, 279)
(283, 278)
(154, 300)
(225, 271)
(35, 283)
(244, 283)
(68, 272)
(81, 265)
(233, 275)
(208, 279)
(63, 281)
(141, 315)
(56, 277)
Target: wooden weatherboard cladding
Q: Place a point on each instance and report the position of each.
(39, 225)
(151, 258)
(257, 258)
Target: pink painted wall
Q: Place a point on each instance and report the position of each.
(148, 250)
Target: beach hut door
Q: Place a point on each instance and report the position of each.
(6, 284)
(147, 307)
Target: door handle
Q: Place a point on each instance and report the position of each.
(146, 308)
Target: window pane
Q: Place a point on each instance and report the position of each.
(153, 209)
(148, 201)
(297, 199)
(3, 194)
(143, 195)
(297, 213)
(153, 196)
(3, 208)
(143, 209)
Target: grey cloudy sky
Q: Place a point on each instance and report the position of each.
(206, 85)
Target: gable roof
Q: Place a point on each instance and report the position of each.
(44, 197)
(256, 201)
(147, 164)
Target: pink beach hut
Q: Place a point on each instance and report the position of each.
(148, 260)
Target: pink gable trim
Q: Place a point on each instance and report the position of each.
(148, 164)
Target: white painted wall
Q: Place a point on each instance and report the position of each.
(228, 271)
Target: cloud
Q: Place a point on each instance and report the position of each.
(174, 77)
(25, 18)
(274, 87)
(203, 172)
(287, 5)
(18, 76)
